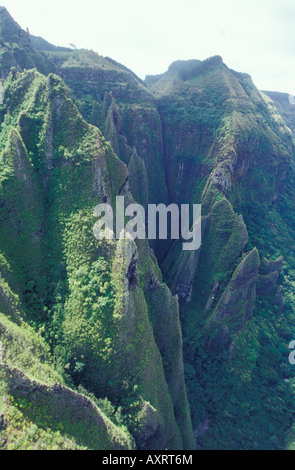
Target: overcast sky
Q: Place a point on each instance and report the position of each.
(253, 36)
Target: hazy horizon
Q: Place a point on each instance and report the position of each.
(147, 38)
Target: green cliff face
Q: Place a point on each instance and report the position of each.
(114, 99)
(99, 324)
(227, 147)
(77, 292)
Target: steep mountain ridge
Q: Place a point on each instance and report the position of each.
(16, 48)
(199, 133)
(227, 146)
(114, 99)
(76, 290)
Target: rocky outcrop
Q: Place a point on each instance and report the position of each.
(270, 267)
(236, 305)
(183, 280)
(163, 419)
(149, 430)
(76, 411)
(279, 298)
(167, 330)
(221, 177)
(267, 282)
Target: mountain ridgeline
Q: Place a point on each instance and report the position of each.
(111, 344)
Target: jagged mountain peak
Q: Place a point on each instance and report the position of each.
(16, 49)
(10, 30)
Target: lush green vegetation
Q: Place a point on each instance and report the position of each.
(91, 336)
(73, 290)
(239, 379)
